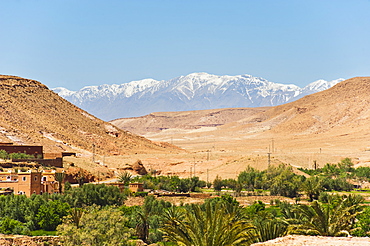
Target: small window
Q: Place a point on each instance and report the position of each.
(43, 178)
(24, 178)
(35, 177)
(8, 177)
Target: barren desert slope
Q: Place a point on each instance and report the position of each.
(32, 114)
(322, 127)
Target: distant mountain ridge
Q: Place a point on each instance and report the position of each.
(196, 91)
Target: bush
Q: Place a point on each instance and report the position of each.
(141, 194)
(218, 183)
(97, 227)
(90, 194)
(50, 214)
(11, 226)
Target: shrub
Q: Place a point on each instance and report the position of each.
(90, 194)
(140, 194)
(11, 226)
(97, 227)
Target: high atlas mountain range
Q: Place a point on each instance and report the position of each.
(30, 113)
(196, 91)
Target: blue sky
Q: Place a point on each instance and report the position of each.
(73, 43)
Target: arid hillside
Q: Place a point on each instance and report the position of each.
(344, 108)
(187, 120)
(30, 113)
(322, 127)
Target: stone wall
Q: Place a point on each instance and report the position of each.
(58, 162)
(18, 240)
(36, 151)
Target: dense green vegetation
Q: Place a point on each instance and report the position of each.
(5, 155)
(96, 214)
(171, 183)
(336, 173)
(97, 226)
(281, 180)
(21, 215)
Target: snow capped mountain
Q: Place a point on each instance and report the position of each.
(110, 91)
(191, 92)
(320, 85)
(63, 92)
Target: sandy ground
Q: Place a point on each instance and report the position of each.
(227, 157)
(316, 241)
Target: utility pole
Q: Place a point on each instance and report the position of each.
(93, 150)
(207, 176)
(194, 166)
(269, 159)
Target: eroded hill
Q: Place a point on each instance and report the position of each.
(187, 120)
(30, 113)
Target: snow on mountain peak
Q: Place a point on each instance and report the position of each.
(320, 85)
(63, 92)
(194, 91)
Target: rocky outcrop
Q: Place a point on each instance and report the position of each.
(137, 168)
(74, 174)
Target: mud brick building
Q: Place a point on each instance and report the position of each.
(48, 182)
(22, 183)
(136, 187)
(29, 182)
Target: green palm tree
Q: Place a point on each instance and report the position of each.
(330, 219)
(124, 177)
(270, 229)
(213, 226)
(290, 214)
(173, 215)
(60, 178)
(76, 214)
(312, 187)
(142, 227)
